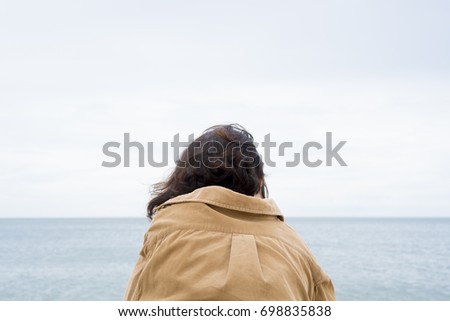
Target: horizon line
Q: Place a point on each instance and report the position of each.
(286, 217)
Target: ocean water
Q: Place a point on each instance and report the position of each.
(91, 259)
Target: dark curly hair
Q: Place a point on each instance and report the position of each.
(224, 155)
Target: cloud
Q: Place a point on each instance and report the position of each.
(75, 77)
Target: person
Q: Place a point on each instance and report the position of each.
(214, 234)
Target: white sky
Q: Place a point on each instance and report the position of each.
(74, 76)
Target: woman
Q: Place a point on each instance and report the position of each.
(215, 236)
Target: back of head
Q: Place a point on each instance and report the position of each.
(224, 155)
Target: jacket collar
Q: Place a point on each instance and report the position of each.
(226, 198)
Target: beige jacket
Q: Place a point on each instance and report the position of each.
(216, 244)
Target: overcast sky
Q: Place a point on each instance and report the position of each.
(75, 75)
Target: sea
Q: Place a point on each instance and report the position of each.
(91, 259)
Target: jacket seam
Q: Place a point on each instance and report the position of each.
(224, 205)
(173, 230)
